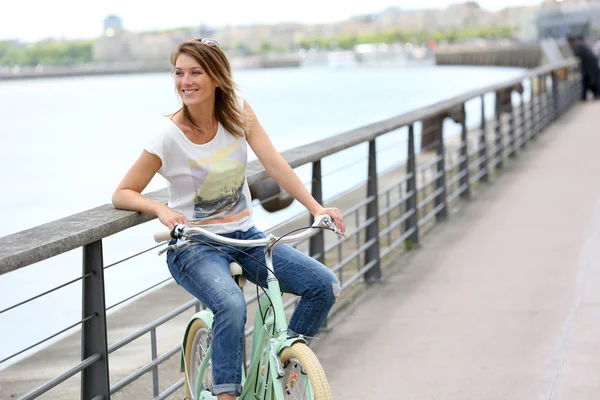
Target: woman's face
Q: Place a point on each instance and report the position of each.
(192, 82)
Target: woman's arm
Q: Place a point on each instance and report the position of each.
(128, 194)
(281, 172)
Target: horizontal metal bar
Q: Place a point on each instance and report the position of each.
(475, 177)
(430, 215)
(392, 146)
(450, 167)
(395, 185)
(134, 255)
(359, 274)
(512, 147)
(455, 178)
(393, 167)
(453, 195)
(397, 242)
(171, 389)
(49, 337)
(116, 346)
(352, 256)
(476, 163)
(46, 292)
(358, 205)
(393, 206)
(351, 234)
(477, 149)
(396, 222)
(429, 198)
(343, 167)
(451, 149)
(429, 163)
(62, 377)
(139, 293)
(146, 368)
(433, 180)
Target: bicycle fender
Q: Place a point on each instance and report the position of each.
(207, 317)
(290, 341)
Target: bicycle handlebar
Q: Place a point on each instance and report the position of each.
(180, 231)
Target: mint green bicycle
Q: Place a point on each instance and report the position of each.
(280, 367)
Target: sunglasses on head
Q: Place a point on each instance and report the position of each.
(208, 41)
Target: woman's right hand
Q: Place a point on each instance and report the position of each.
(169, 217)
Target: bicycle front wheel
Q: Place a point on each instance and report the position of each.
(198, 340)
(304, 376)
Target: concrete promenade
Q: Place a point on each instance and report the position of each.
(501, 303)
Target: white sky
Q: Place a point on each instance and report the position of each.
(38, 19)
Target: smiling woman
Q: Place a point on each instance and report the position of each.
(202, 153)
(201, 70)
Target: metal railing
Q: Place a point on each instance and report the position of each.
(421, 187)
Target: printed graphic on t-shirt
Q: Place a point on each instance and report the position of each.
(219, 179)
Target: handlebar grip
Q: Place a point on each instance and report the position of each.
(162, 236)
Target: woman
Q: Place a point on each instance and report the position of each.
(201, 152)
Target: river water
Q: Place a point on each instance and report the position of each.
(66, 143)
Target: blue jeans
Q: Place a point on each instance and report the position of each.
(204, 272)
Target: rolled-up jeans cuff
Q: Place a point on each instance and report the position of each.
(233, 389)
(291, 333)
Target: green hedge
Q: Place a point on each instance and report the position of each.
(47, 53)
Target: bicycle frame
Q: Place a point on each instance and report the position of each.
(276, 343)
(276, 323)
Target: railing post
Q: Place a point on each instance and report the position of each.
(548, 107)
(464, 153)
(568, 89)
(483, 155)
(499, 153)
(511, 127)
(531, 112)
(566, 92)
(372, 252)
(537, 106)
(542, 103)
(523, 121)
(412, 222)
(95, 378)
(154, 354)
(555, 95)
(440, 185)
(316, 244)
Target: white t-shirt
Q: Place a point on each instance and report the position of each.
(207, 182)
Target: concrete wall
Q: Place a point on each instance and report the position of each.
(522, 55)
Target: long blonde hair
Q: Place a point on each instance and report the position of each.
(215, 63)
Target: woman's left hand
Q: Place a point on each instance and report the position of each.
(335, 214)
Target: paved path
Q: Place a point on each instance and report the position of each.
(501, 303)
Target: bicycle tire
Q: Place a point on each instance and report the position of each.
(196, 326)
(313, 368)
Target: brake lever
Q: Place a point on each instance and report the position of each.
(329, 223)
(179, 244)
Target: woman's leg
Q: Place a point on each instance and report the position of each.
(204, 272)
(299, 274)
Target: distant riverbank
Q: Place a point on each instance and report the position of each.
(137, 67)
(366, 56)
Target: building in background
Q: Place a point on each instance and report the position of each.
(560, 19)
(112, 24)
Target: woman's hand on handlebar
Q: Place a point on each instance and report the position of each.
(169, 217)
(335, 215)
